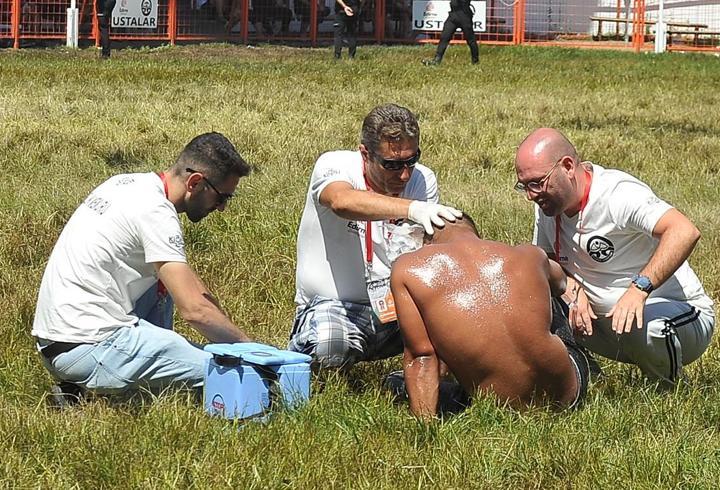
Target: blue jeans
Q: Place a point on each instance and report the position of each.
(145, 355)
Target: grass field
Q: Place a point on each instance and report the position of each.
(68, 121)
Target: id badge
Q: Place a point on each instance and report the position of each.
(381, 300)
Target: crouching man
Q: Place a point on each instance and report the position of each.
(484, 309)
(103, 320)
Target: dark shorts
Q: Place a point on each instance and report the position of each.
(578, 358)
(582, 370)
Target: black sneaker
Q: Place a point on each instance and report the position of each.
(395, 384)
(65, 395)
(452, 398)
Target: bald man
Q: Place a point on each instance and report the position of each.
(484, 308)
(631, 293)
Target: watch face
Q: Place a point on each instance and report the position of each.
(643, 283)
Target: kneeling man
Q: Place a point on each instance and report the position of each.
(483, 308)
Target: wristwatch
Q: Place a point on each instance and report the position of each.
(643, 283)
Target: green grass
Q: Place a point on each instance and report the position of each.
(69, 121)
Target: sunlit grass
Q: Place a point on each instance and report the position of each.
(69, 121)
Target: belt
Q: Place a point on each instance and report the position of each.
(56, 348)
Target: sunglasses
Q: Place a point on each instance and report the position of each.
(395, 165)
(222, 197)
(536, 186)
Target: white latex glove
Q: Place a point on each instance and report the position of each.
(428, 213)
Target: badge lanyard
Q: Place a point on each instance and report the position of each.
(161, 289)
(583, 203)
(381, 298)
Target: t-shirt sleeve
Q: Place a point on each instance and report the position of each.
(540, 235)
(636, 206)
(160, 234)
(328, 169)
(431, 187)
(422, 186)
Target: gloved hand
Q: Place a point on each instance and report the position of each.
(428, 213)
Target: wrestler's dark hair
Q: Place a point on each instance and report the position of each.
(465, 220)
(214, 156)
(388, 122)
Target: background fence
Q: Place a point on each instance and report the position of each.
(622, 24)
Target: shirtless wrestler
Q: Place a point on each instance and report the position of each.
(484, 308)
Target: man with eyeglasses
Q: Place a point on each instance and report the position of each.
(631, 294)
(345, 312)
(104, 315)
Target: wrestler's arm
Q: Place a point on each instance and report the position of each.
(420, 362)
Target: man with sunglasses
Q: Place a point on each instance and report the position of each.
(104, 315)
(345, 312)
(631, 294)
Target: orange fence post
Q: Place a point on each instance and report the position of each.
(95, 26)
(313, 23)
(245, 21)
(638, 24)
(15, 23)
(519, 22)
(172, 21)
(379, 20)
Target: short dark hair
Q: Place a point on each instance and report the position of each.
(465, 220)
(388, 122)
(214, 156)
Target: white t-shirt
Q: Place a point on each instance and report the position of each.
(103, 261)
(330, 259)
(611, 240)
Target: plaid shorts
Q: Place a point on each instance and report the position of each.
(337, 334)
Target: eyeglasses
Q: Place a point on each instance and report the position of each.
(395, 165)
(223, 197)
(536, 186)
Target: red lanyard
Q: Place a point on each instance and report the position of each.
(368, 227)
(161, 289)
(583, 203)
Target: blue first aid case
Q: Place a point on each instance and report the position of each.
(248, 379)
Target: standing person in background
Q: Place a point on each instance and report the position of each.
(344, 308)
(347, 22)
(460, 16)
(104, 9)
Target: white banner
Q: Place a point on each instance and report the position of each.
(430, 15)
(135, 14)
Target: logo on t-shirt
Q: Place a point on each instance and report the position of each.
(177, 242)
(600, 249)
(125, 180)
(355, 228)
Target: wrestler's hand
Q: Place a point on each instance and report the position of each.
(428, 213)
(581, 313)
(628, 310)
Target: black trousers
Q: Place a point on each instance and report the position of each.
(346, 29)
(455, 20)
(104, 10)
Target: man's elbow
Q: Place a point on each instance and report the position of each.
(195, 314)
(694, 234)
(340, 206)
